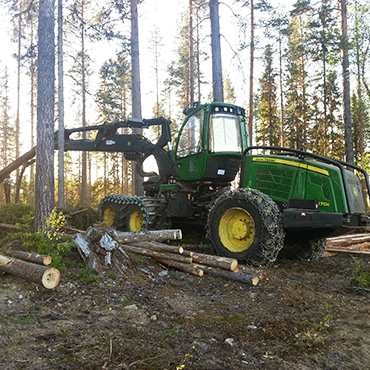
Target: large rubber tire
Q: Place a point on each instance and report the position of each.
(246, 224)
(303, 250)
(123, 217)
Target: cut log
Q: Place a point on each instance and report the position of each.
(249, 279)
(214, 261)
(181, 266)
(49, 277)
(27, 256)
(347, 250)
(251, 271)
(154, 235)
(152, 253)
(160, 247)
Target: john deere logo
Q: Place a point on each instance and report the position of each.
(355, 192)
(193, 167)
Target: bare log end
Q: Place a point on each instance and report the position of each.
(50, 278)
(234, 265)
(255, 280)
(5, 261)
(46, 260)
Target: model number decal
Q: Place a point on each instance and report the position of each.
(324, 204)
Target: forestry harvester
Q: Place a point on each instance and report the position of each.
(286, 202)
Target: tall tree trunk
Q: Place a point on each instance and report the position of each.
(282, 134)
(17, 120)
(191, 52)
(361, 145)
(137, 186)
(84, 192)
(346, 85)
(44, 186)
(32, 104)
(251, 77)
(61, 196)
(217, 81)
(199, 95)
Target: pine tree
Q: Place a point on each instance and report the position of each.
(359, 109)
(44, 184)
(324, 51)
(297, 111)
(269, 130)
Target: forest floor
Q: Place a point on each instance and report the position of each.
(304, 316)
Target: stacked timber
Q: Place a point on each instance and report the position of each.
(36, 271)
(95, 253)
(351, 243)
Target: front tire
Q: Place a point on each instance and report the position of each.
(247, 225)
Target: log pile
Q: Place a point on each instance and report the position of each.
(352, 243)
(36, 271)
(114, 254)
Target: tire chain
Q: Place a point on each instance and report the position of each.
(147, 205)
(269, 211)
(318, 247)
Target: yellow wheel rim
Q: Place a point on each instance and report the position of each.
(236, 230)
(136, 221)
(109, 215)
(290, 244)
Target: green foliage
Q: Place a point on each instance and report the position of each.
(361, 275)
(173, 331)
(326, 319)
(269, 130)
(127, 302)
(19, 214)
(83, 220)
(27, 320)
(53, 225)
(88, 277)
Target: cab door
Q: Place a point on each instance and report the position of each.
(190, 158)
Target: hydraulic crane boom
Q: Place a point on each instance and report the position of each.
(107, 139)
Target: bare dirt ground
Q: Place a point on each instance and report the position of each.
(304, 316)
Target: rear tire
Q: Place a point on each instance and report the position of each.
(246, 224)
(303, 250)
(123, 217)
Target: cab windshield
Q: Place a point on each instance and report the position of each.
(224, 133)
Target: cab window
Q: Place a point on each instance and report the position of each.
(224, 133)
(190, 137)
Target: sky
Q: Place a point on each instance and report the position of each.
(165, 14)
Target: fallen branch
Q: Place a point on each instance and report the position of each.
(11, 227)
(181, 266)
(154, 235)
(249, 279)
(49, 277)
(68, 215)
(27, 256)
(73, 229)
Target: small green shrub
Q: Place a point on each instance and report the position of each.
(127, 302)
(88, 277)
(361, 275)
